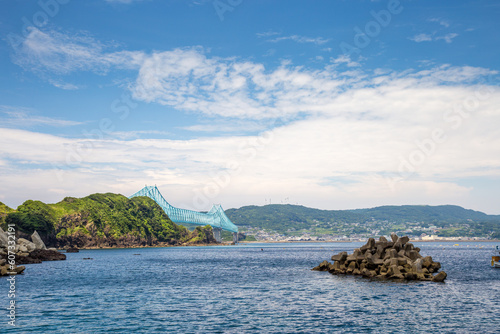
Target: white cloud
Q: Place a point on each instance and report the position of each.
(301, 39)
(448, 38)
(350, 152)
(60, 54)
(421, 38)
(345, 59)
(442, 22)
(25, 117)
(345, 135)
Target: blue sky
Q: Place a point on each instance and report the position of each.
(328, 104)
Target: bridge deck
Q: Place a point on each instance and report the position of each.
(215, 217)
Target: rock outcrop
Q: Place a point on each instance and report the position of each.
(35, 237)
(3, 239)
(40, 255)
(7, 269)
(383, 259)
(24, 252)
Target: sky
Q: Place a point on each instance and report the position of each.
(327, 104)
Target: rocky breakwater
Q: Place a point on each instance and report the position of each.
(383, 259)
(24, 251)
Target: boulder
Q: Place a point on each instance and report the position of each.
(396, 259)
(427, 262)
(440, 277)
(340, 257)
(4, 240)
(40, 255)
(19, 269)
(394, 237)
(404, 240)
(72, 250)
(323, 266)
(26, 243)
(35, 237)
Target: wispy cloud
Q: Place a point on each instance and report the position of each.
(421, 38)
(26, 117)
(300, 39)
(345, 59)
(442, 22)
(448, 38)
(267, 34)
(339, 121)
(62, 54)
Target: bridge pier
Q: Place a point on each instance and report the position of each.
(217, 234)
(235, 237)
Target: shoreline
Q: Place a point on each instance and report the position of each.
(266, 242)
(342, 241)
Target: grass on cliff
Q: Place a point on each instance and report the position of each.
(98, 216)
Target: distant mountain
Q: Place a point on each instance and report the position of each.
(289, 218)
(279, 217)
(427, 213)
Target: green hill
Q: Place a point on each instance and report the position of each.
(102, 220)
(5, 209)
(430, 214)
(448, 220)
(280, 217)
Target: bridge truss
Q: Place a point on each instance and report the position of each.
(215, 217)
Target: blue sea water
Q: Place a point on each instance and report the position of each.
(243, 289)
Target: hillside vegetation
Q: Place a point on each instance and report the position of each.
(295, 220)
(102, 220)
(4, 210)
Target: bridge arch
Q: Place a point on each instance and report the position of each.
(215, 217)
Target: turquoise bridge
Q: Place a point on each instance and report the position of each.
(215, 217)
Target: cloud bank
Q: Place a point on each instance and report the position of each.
(338, 135)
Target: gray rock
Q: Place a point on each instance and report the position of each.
(394, 237)
(28, 244)
(404, 240)
(417, 266)
(38, 241)
(440, 277)
(4, 240)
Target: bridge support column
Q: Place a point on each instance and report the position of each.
(217, 234)
(235, 237)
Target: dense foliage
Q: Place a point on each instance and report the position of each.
(102, 217)
(278, 217)
(289, 219)
(31, 216)
(429, 214)
(4, 210)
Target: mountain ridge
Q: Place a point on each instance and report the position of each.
(288, 219)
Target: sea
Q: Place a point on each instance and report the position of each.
(250, 288)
